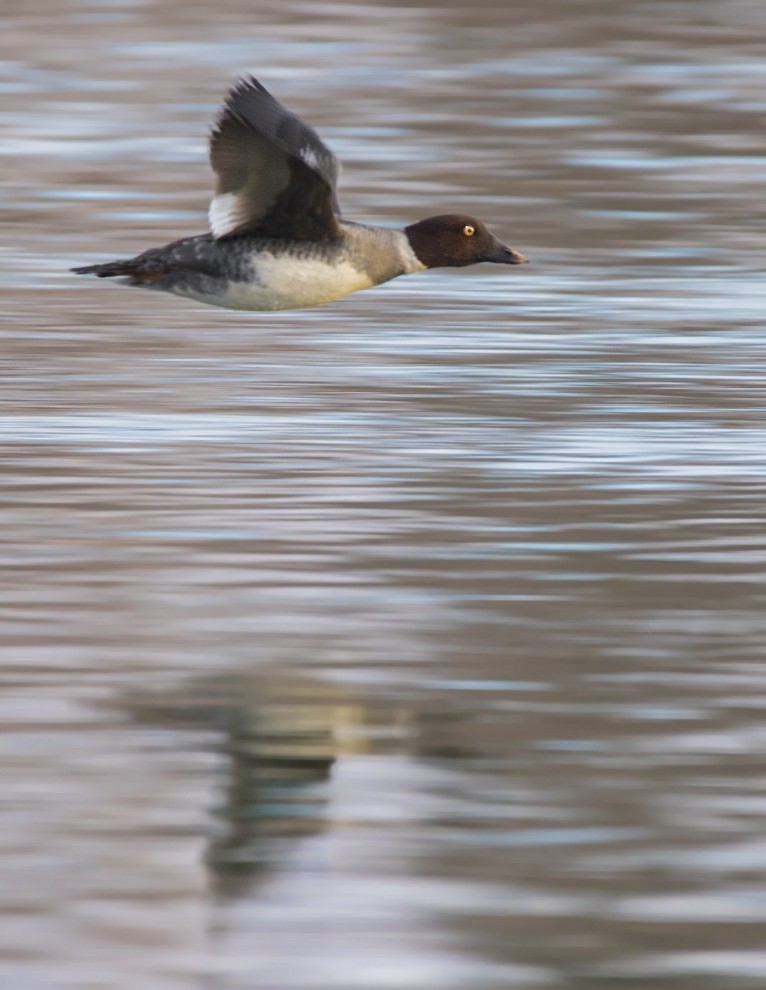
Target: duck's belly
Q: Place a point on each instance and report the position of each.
(282, 283)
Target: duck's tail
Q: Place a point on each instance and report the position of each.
(130, 267)
(108, 269)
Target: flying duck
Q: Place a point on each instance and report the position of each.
(277, 238)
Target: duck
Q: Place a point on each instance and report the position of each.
(277, 237)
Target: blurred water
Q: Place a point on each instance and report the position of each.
(416, 641)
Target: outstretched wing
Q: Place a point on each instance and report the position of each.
(275, 177)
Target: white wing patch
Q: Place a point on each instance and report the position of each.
(224, 214)
(311, 158)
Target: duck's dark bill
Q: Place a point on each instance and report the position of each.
(500, 254)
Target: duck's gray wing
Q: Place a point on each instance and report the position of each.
(275, 177)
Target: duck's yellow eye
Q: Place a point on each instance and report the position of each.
(468, 230)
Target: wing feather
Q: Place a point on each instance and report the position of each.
(276, 177)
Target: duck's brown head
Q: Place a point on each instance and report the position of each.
(454, 241)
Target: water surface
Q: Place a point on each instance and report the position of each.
(415, 641)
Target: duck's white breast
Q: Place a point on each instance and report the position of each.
(282, 282)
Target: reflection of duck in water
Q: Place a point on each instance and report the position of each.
(279, 755)
(280, 738)
(277, 239)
